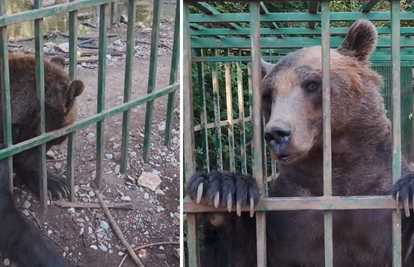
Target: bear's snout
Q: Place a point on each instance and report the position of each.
(278, 136)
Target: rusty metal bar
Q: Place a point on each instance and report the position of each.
(396, 119)
(257, 125)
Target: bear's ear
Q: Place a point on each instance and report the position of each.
(266, 67)
(58, 61)
(75, 89)
(360, 40)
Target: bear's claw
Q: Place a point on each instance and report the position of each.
(403, 190)
(215, 186)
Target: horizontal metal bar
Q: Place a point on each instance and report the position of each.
(304, 203)
(287, 31)
(16, 148)
(381, 60)
(49, 11)
(222, 123)
(297, 17)
(274, 42)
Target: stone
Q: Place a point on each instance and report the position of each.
(26, 204)
(149, 180)
(64, 47)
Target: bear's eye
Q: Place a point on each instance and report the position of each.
(311, 86)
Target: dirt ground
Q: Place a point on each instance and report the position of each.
(84, 235)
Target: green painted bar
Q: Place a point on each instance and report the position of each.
(173, 76)
(49, 11)
(16, 148)
(240, 90)
(274, 42)
(287, 31)
(100, 146)
(295, 17)
(327, 149)
(203, 116)
(152, 77)
(257, 126)
(216, 101)
(128, 82)
(396, 118)
(304, 203)
(377, 59)
(73, 68)
(189, 157)
(5, 92)
(40, 91)
(229, 111)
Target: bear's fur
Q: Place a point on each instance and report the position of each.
(20, 240)
(361, 165)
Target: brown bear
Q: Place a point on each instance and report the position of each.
(19, 240)
(361, 165)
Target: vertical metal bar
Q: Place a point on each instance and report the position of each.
(257, 125)
(103, 25)
(203, 113)
(229, 108)
(188, 134)
(40, 90)
(128, 82)
(73, 67)
(396, 120)
(327, 155)
(243, 161)
(5, 92)
(152, 76)
(173, 76)
(216, 100)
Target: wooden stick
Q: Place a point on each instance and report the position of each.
(146, 246)
(118, 231)
(88, 36)
(66, 204)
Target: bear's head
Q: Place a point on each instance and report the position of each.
(60, 94)
(292, 93)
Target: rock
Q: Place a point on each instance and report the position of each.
(6, 262)
(103, 247)
(94, 247)
(133, 154)
(104, 225)
(161, 126)
(108, 156)
(120, 253)
(126, 198)
(149, 180)
(71, 210)
(90, 135)
(117, 168)
(146, 196)
(146, 30)
(50, 153)
(159, 192)
(26, 204)
(49, 45)
(64, 47)
(117, 156)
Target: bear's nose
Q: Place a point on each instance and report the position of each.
(278, 134)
